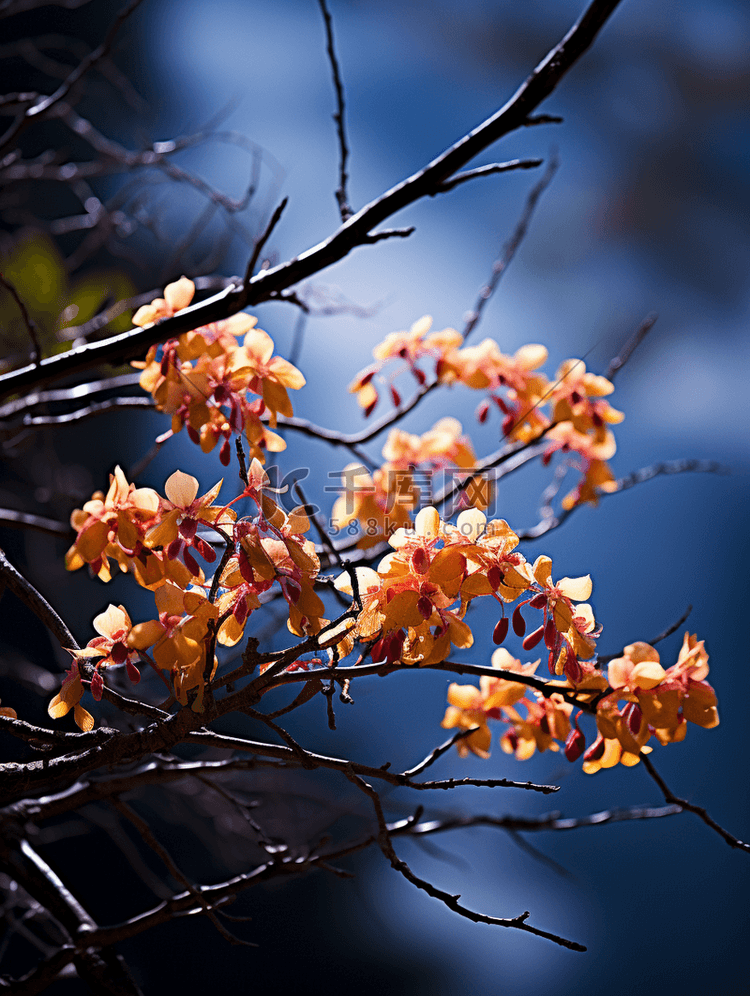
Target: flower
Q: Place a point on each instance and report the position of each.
(113, 524)
(410, 346)
(203, 377)
(182, 512)
(666, 698)
(68, 698)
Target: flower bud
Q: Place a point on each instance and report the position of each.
(519, 623)
(495, 577)
(97, 685)
(596, 750)
(500, 631)
(575, 745)
(119, 653)
(133, 673)
(633, 717)
(533, 638)
(420, 561)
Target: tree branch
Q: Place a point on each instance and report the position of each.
(264, 285)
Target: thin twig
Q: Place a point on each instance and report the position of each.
(274, 280)
(25, 520)
(490, 170)
(38, 604)
(605, 659)
(44, 105)
(262, 239)
(699, 811)
(526, 824)
(554, 520)
(36, 349)
(511, 247)
(631, 345)
(342, 198)
(451, 901)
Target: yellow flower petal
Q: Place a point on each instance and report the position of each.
(577, 589)
(181, 489)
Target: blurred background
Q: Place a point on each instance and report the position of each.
(648, 212)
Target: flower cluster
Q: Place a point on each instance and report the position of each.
(204, 378)
(411, 346)
(636, 700)
(577, 419)
(157, 540)
(381, 502)
(414, 604)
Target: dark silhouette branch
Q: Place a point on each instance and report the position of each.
(354, 232)
(342, 198)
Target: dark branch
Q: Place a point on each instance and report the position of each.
(36, 349)
(509, 251)
(271, 282)
(699, 811)
(490, 170)
(631, 345)
(342, 198)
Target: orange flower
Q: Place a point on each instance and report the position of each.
(547, 720)
(203, 377)
(568, 630)
(118, 519)
(410, 346)
(68, 698)
(182, 512)
(177, 296)
(666, 699)
(571, 398)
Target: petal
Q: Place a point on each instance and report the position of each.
(427, 521)
(113, 620)
(181, 489)
(259, 346)
(144, 635)
(179, 294)
(84, 719)
(647, 675)
(542, 570)
(578, 589)
(531, 356)
(471, 523)
(368, 581)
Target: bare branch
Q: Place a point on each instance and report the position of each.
(388, 233)
(268, 283)
(490, 170)
(657, 639)
(25, 520)
(451, 901)
(38, 604)
(501, 265)
(525, 824)
(43, 106)
(631, 345)
(36, 349)
(551, 520)
(264, 237)
(691, 807)
(341, 195)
